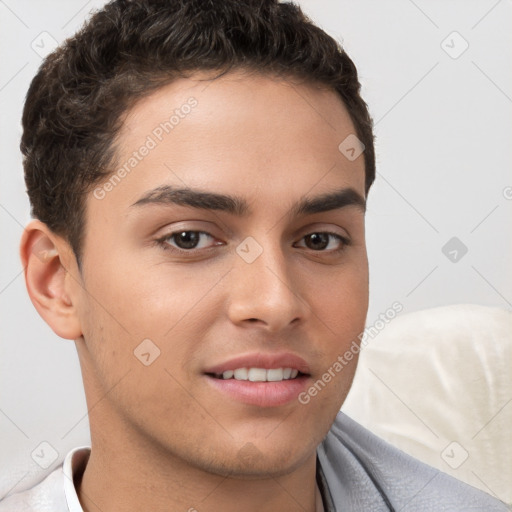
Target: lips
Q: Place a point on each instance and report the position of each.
(263, 380)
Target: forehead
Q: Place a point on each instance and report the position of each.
(253, 134)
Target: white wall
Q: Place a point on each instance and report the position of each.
(443, 128)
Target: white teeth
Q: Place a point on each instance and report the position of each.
(274, 375)
(260, 374)
(228, 374)
(257, 374)
(241, 374)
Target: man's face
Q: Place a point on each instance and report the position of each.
(258, 285)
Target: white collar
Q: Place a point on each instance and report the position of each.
(73, 465)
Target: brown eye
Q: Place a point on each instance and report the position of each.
(317, 241)
(186, 240)
(320, 241)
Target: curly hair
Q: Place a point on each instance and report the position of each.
(76, 103)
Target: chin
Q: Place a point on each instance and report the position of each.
(252, 464)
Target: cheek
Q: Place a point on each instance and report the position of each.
(148, 299)
(129, 304)
(340, 310)
(340, 299)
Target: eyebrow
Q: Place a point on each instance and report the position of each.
(169, 195)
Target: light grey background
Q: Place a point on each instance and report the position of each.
(443, 128)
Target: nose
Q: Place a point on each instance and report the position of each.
(265, 291)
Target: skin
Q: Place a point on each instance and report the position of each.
(162, 437)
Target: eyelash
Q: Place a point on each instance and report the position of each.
(164, 244)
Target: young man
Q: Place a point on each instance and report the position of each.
(198, 172)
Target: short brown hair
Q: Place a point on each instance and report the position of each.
(75, 103)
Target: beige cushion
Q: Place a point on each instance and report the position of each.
(437, 384)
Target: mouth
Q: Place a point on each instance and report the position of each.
(264, 380)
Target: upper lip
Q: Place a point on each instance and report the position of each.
(262, 360)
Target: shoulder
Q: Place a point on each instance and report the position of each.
(363, 469)
(56, 493)
(48, 495)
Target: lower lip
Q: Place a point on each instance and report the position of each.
(262, 394)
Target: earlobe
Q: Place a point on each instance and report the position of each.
(51, 284)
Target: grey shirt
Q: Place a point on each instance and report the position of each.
(358, 471)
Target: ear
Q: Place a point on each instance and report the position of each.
(52, 278)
